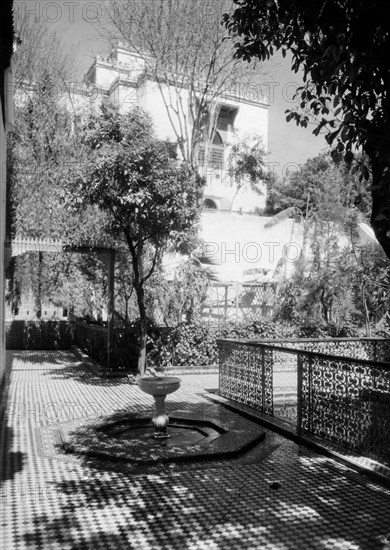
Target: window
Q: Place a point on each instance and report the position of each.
(217, 139)
(225, 122)
(216, 153)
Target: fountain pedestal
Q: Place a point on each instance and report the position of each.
(159, 387)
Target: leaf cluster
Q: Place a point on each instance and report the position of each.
(133, 177)
(341, 46)
(322, 187)
(246, 161)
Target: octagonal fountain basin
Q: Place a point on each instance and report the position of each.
(159, 385)
(198, 434)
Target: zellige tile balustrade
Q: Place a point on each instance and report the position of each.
(333, 389)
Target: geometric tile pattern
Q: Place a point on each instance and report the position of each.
(342, 400)
(289, 498)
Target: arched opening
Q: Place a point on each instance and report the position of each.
(217, 139)
(209, 204)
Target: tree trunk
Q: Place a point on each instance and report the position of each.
(142, 349)
(38, 298)
(366, 313)
(137, 251)
(143, 329)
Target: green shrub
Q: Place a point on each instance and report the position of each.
(311, 329)
(39, 334)
(195, 343)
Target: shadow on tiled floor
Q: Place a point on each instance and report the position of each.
(286, 498)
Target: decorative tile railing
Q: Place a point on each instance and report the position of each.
(344, 400)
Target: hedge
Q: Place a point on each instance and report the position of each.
(186, 344)
(44, 335)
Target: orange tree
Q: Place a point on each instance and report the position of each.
(342, 47)
(151, 198)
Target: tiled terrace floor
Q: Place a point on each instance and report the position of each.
(279, 497)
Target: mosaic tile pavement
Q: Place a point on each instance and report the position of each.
(281, 497)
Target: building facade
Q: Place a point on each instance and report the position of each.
(123, 79)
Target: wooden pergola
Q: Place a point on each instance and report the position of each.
(18, 246)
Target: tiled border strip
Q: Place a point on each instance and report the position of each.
(199, 369)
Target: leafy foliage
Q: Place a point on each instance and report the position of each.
(182, 298)
(40, 335)
(317, 180)
(329, 202)
(151, 200)
(341, 46)
(371, 284)
(136, 180)
(189, 344)
(246, 163)
(42, 146)
(349, 289)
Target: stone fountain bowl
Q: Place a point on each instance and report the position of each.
(159, 385)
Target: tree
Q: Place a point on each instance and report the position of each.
(371, 283)
(124, 282)
(307, 188)
(40, 54)
(41, 133)
(329, 203)
(326, 292)
(41, 143)
(342, 47)
(182, 298)
(246, 164)
(150, 198)
(188, 53)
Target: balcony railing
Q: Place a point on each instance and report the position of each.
(339, 393)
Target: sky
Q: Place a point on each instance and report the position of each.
(78, 24)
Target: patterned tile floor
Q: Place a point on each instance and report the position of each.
(282, 496)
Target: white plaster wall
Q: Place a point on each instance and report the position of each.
(105, 76)
(125, 96)
(252, 119)
(151, 100)
(241, 242)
